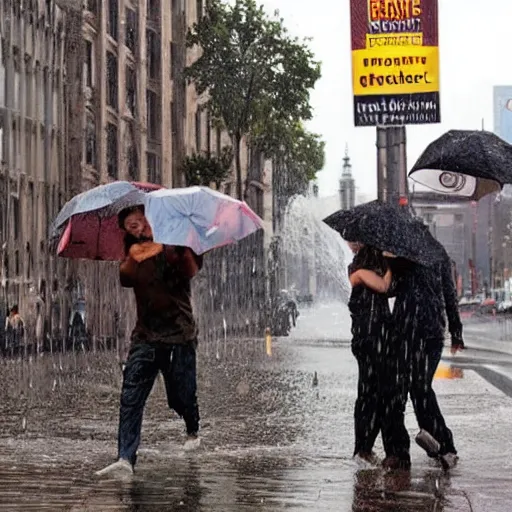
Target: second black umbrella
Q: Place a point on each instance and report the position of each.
(465, 163)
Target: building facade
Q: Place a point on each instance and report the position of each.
(90, 92)
(33, 152)
(463, 229)
(140, 120)
(502, 208)
(140, 117)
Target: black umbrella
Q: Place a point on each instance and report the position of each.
(390, 228)
(465, 163)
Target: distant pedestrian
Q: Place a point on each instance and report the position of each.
(14, 331)
(164, 338)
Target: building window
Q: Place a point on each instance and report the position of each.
(90, 142)
(153, 54)
(112, 167)
(16, 214)
(199, 9)
(3, 82)
(3, 137)
(208, 131)
(89, 58)
(29, 91)
(131, 30)
(131, 90)
(132, 163)
(112, 19)
(154, 169)
(153, 117)
(153, 9)
(92, 6)
(199, 140)
(218, 141)
(112, 80)
(130, 150)
(173, 53)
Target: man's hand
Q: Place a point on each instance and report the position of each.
(145, 250)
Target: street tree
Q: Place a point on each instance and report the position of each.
(204, 168)
(251, 69)
(297, 153)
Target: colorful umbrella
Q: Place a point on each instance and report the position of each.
(195, 217)
(198, 217)
(87, 227)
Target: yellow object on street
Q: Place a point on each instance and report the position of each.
(448, 372)
(268, 341)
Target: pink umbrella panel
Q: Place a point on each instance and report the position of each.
(91, 237)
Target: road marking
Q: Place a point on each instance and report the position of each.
(497, 377)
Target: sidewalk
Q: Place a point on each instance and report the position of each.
(479, 416)
(272, 441)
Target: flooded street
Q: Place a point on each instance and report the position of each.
(272, 440)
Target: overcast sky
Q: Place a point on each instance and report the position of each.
(475, 47)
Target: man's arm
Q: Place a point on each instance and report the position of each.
(127, 271)
(451, 304)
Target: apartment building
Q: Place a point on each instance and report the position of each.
(92, 91)
(32, 150)
(140, 117)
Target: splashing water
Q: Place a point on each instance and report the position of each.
(315, 259)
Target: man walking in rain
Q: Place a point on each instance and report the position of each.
(164, 338)
(423, 297)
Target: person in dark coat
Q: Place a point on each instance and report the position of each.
(382, 388)
(424, 297)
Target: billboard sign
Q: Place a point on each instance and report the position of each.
(395, 62)
(503, 112)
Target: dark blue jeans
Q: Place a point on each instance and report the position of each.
(426, 354)
(178, 366)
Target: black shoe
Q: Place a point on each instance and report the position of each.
(428, 443)
(448, 460)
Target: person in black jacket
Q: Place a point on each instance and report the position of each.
(382, 394)
(424, 296)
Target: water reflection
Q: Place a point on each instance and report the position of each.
(175, 486)
(376, 490)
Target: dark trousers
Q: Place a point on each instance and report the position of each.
(178, 366)
(381, 399)
(425, 357)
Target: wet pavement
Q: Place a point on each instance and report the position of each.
(271, 439)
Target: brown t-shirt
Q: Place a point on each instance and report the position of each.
(164, 306)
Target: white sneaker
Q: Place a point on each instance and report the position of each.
(448, 460)
(192, 443)
(428, 443)
(119, 469)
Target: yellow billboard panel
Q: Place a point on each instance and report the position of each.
(395, 70)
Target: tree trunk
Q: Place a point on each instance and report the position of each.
(238, 166)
